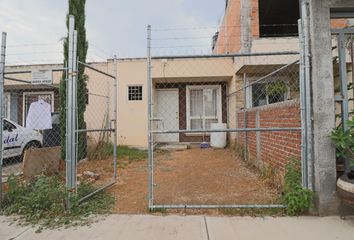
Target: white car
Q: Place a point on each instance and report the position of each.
(17, 139)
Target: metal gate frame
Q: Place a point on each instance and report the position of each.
(344, 100)
(303, 95)
(72, 130)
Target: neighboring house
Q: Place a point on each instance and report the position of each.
(260, 26)
(19, 95)
(176, 93)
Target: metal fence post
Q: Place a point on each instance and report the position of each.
(149, 116)
(307, 94)
(115, 99)
(69, 90)
(343, 89)
(2, 70)
(303, 108)
(74, 115)
(245, 113)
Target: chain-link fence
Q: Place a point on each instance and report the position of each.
(31, 123)
(96, 138)
(222, 128)
(59, 120)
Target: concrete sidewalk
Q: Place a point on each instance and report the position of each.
(132, 227)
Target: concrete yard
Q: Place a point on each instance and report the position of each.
(192, 228)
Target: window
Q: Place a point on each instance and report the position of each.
(203, 106)
(278, 18)
(135, 93)
(264, 94)
(8, 126)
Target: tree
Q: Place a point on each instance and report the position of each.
(77, 9)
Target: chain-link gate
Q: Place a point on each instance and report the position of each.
(44, 125)
(213, 120)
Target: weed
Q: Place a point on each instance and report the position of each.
(254, 212)
(297, 199)
(158, 210)
(239, 150)
(272, 177)
(133, 154)
(126, 154)
(42, 201)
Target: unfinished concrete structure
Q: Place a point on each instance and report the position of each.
(319, 14)
(260, 25)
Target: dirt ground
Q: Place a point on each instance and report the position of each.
(193, 176)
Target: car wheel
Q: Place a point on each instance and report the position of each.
(30, 145)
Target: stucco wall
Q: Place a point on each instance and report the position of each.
(132, 115)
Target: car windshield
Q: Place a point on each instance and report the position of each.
(8, 126)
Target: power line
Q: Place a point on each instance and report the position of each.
(32, 45)
(221, 26)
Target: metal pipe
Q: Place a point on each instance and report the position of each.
(115, 106)
(265, 77)
(227, 55)
(303, 108)
(241, 206)
(149, 118)
(343, 80)
(344, 90)
(29, 82)
(95, 130)
(245, 117)
(343, 31)
(30, 71)
(227, 130)
(74, 114)
(2, 70)
(98, 95)
(96, 191)
(96, 70)
(69, 102)
(308, 96)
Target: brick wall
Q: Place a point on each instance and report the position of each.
(273, 148)
(229, 40)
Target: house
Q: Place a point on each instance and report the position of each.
(264, 26)
(175, 93)
(195, 92)
(251, 26)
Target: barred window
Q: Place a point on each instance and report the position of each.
(135, 93)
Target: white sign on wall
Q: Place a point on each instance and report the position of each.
(42, 77)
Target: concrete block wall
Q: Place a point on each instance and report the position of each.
(272, 148)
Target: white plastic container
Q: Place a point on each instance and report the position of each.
(218, 139)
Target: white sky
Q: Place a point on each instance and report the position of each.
(35, 28)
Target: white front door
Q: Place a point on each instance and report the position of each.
(167, 115)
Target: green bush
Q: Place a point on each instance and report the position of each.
(43, 202)
(344, 142)
(296, 198)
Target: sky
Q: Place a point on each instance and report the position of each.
(36, 28)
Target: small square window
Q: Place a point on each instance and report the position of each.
(135, 93)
